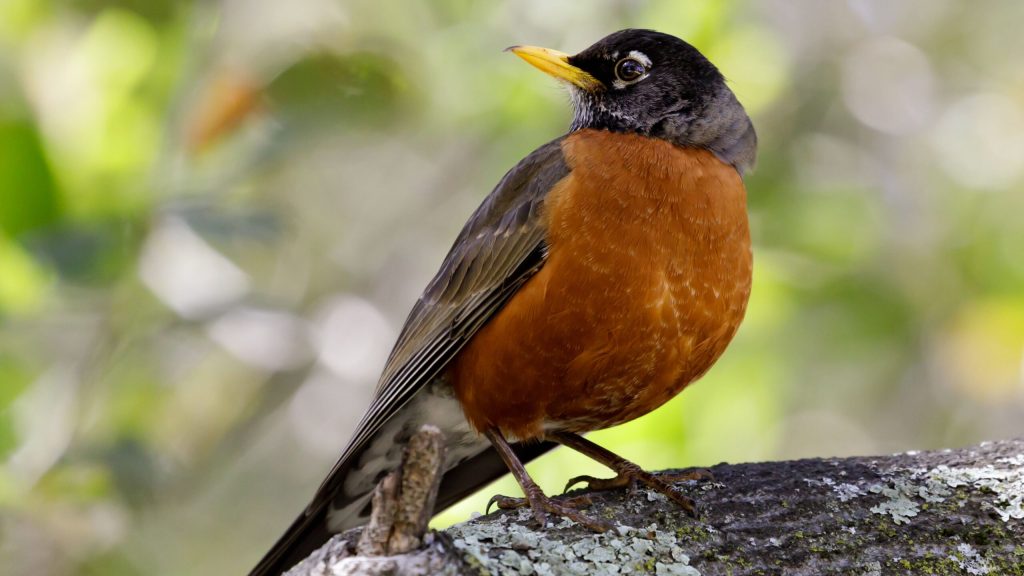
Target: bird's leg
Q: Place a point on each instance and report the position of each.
(627, 472)
(535, 497)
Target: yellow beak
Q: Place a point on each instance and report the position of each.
(556, 64)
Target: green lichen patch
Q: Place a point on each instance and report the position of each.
(970, 561)
(943, 513)
(845, 491)
(504, 547)
(899, 501)
(912, 491)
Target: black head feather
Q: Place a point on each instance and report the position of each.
(658, 85)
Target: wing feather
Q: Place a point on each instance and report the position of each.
(501, 246)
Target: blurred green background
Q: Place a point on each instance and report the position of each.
(214, 217)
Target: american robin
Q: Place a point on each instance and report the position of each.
(606, 271)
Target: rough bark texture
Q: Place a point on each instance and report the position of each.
(421, 477)
(403, 500)
(943, 512)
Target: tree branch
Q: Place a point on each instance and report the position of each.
(943, 512)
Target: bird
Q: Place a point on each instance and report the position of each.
(606, 271)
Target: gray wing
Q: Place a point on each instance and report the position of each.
(501, 247)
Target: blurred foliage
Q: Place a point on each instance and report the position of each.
(214, 217)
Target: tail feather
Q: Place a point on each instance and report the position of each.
(309, 531)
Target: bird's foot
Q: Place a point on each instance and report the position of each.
(542, 506)
(689, 475)
(662, 484)
(535, 497)
(514, 503)
(595, 484)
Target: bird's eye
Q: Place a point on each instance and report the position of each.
(629, 69)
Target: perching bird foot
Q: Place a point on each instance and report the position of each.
(628, 472)
(658, 484)
(542, 506)
(594, 484)
(690, 475)
(514, 503)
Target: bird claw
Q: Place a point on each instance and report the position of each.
(690, 475)
(661, 484)
(505, 503)
(567, 508)
(594, 484)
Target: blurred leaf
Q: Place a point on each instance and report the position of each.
(227, 223)
(17, 17)
(133, 470)
(700, 22)
(28, 194)
(23, 280)
(227, 101)
(984, 348)
(13, 380)
(840, 227)
(94, 252)
(324, 89)
(110, 563)
(85, 482)
(859, 314)
(8, 489)
(121, 47)
(134, 403)
(78, 483)
(755, 64)
(8, 437)
(157, 11)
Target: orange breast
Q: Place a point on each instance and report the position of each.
(646, 282)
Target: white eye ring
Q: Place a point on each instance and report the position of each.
(629, 69)
(632, 68)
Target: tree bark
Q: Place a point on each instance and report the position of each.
(942, 512)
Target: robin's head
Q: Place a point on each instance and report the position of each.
(653, 84)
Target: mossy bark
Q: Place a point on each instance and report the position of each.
(942, 512)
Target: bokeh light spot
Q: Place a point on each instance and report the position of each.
(353, 338)
(887, 84)
(980, 141)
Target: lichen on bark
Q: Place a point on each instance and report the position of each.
(941, 512)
